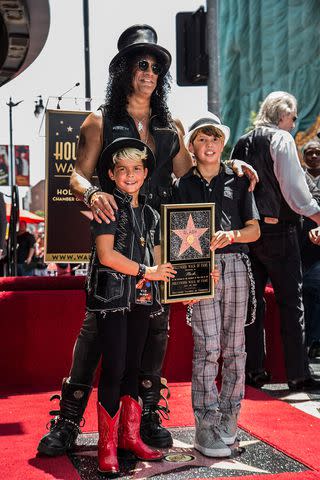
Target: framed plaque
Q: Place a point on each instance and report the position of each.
(186, 232)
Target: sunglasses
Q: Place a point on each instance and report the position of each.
(144, 65)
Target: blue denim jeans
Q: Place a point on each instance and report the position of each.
(311, 300)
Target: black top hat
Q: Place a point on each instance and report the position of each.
(105, 162)
(140, 39)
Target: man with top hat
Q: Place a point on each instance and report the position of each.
(136, 107)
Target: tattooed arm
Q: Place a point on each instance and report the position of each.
(89, 148)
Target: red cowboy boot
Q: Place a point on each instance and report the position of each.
(129, 431)
(108, 441)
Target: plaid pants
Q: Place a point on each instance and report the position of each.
(218, 328)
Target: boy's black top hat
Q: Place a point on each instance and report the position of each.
(141, 39)
(105, 162)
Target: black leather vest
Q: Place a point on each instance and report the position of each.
(254, 148)
(107, 289)
(158, 187)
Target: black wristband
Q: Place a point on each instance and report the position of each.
(142, 271)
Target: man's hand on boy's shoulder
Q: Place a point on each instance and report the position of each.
(103, 207)
(241, 168)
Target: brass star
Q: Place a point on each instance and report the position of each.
(190, 236)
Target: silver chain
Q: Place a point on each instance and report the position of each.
(141, 128)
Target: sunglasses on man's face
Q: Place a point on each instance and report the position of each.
(144, 65)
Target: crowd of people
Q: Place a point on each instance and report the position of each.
(31, 253)
(267, 218)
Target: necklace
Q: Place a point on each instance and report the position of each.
(141, 130)
(143, 126)
(140, 126)
(140, 123)
(140, 230)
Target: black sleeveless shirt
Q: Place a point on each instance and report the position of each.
(157, 188)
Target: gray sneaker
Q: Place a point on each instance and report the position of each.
(208, 442)
(228, 428)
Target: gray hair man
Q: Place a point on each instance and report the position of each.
(282, 196)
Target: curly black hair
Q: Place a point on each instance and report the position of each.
(119, 87)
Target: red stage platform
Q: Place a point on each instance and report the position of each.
(40, 320)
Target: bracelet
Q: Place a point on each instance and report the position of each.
(142, 271)
(88, 194)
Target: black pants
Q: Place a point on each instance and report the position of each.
(86, 352)
(276, 255)
(122, 337)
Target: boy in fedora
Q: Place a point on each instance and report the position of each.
(122, 291)
(218, 324)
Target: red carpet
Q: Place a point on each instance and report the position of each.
(277, 423)
(286, 428)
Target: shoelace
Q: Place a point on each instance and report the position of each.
(163, 412)
(164, 388)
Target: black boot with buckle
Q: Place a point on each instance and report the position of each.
(65, 427)
(151, 430)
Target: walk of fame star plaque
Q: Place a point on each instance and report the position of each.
(186, 231)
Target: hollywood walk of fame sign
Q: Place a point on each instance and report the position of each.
(68, 238)
(186, 231)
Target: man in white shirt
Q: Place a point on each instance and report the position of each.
(282, 196)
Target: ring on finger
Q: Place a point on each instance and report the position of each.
(98, 210)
